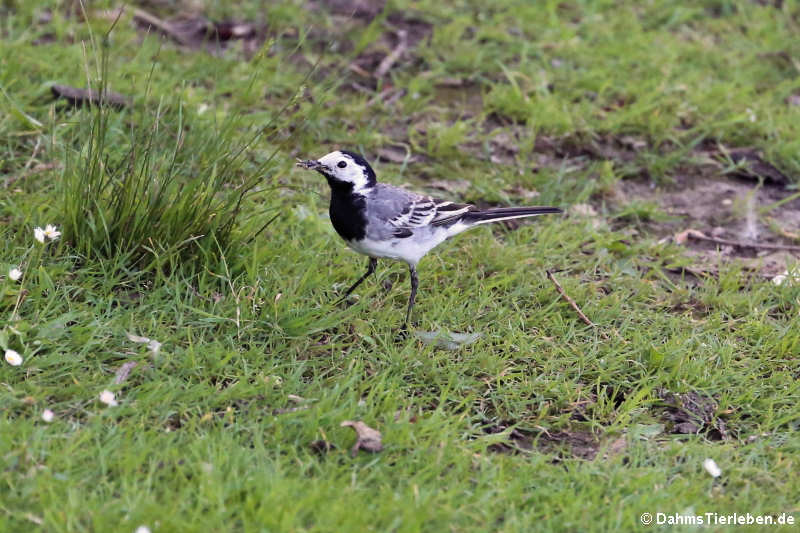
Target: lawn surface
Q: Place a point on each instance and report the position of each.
(214, 322)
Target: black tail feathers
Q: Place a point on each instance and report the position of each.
(507, 213)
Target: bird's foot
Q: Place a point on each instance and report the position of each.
(403, 334)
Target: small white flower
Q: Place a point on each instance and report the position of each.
(108, 398)
(51, 232)
(13, 358)
(48, 415)
(14, 274)
(142, 529)
(38, 234)
(711, 467)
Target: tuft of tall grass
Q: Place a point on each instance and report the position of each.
(146, 184)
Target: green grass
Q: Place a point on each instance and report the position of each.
(206, 436)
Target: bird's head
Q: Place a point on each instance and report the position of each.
(343, 170)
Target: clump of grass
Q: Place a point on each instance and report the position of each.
(149, 192)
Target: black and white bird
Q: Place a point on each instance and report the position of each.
(383, 221)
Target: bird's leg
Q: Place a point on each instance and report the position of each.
(371, 266)
(414, 284)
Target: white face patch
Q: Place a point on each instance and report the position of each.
(344, 168)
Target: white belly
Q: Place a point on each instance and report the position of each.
(409, 250)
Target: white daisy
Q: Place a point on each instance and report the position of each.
(38, 234)
(108, 398)
(13, 358)
(48, 415)
(51, 232)
(14, 274)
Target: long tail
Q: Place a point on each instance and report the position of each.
(506, 213)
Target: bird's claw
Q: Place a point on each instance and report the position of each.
(403, 334)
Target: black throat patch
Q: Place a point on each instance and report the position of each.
(348, 212)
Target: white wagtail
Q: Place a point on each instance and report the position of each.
(380, 220)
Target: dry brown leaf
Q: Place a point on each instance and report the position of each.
(78, 97)
(124, 371)
(683, 236)
(367, 439)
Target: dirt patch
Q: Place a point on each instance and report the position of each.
(731, 195)
(692, 413)
(195, 32)
(564, 444)
(725, 208)
(404, 32)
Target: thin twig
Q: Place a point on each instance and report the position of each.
(387, 96)
(394, 55)
(700, 236)
(359, 70)
(569, 300)
(33, 155)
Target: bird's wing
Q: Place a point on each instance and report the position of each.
(405, 210)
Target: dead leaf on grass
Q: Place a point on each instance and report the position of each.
(80, 97)
(123, 372)
(367, 439)
(684, 236)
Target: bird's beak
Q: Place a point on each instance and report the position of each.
(310, 164)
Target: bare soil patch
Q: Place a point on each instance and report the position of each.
(726, 208)
(563, 444)
(692, 413)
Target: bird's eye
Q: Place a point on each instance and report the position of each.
(342, 164)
